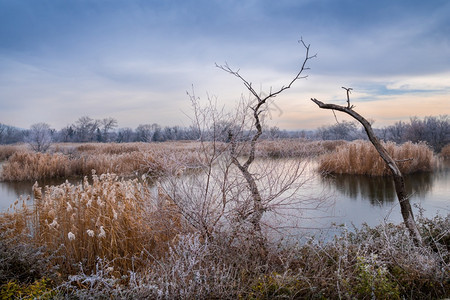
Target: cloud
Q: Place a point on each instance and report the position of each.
(135, 59)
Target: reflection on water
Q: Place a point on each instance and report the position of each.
(380, 190)
(11, 191)
(356, 199)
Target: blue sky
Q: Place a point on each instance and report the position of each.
(135, 60)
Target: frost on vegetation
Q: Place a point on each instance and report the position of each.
(54, 223)
(71, 236)
(96, 224)
(100, 281)
(102, 233)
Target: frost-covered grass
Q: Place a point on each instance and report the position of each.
(101, 241)
(361, 157)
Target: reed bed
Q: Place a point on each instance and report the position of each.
(126, 160)
(8, 150)
(361, 157)
(293, 148)
(111, 219)
(135, 159)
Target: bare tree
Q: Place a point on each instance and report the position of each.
(228, 192)
(257, 109)
(2, 129)
(144, 133)
(107, 124)
(40, 138)
(85, 128)
(399, 182)
(125, 135)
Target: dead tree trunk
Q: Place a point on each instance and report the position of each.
(258, 109)
(405, 206)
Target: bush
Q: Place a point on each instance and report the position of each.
(369, 263)
(20, 260)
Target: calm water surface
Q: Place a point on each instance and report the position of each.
(351, 199)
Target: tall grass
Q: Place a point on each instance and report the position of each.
(126, 160)
(112, 219)
(8, 150)
(131, 159)
(295, 148)
(361, 157)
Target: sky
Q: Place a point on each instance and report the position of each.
(134, 60)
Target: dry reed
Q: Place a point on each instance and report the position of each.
(293, 148)
(158, 159)
(361, 157)
(126, 160)
(112, 219)
(8, 150)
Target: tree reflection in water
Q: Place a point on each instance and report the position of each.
(379, 190)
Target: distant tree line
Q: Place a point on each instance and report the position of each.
(433, 130)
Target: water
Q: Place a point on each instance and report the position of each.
(352, 200)
(12, 191)
(372, 200)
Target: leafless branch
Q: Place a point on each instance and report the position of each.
(399, 183)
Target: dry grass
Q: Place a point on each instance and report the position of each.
(126, 160)
(157, 159)
(372, 263)
(112, 219)
(293, 148)
(119, 239)
(8, 150)
(361, 157)
(131, 159)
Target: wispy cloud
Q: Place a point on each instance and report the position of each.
(134, 60)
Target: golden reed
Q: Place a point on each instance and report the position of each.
(361, 157)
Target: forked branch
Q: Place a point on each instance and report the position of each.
(260, 101)
(400, 189)
(257, 110)
(271, 94)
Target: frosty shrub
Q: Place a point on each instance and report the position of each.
(39, 137)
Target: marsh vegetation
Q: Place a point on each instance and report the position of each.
(118, 234)
(195, 220)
